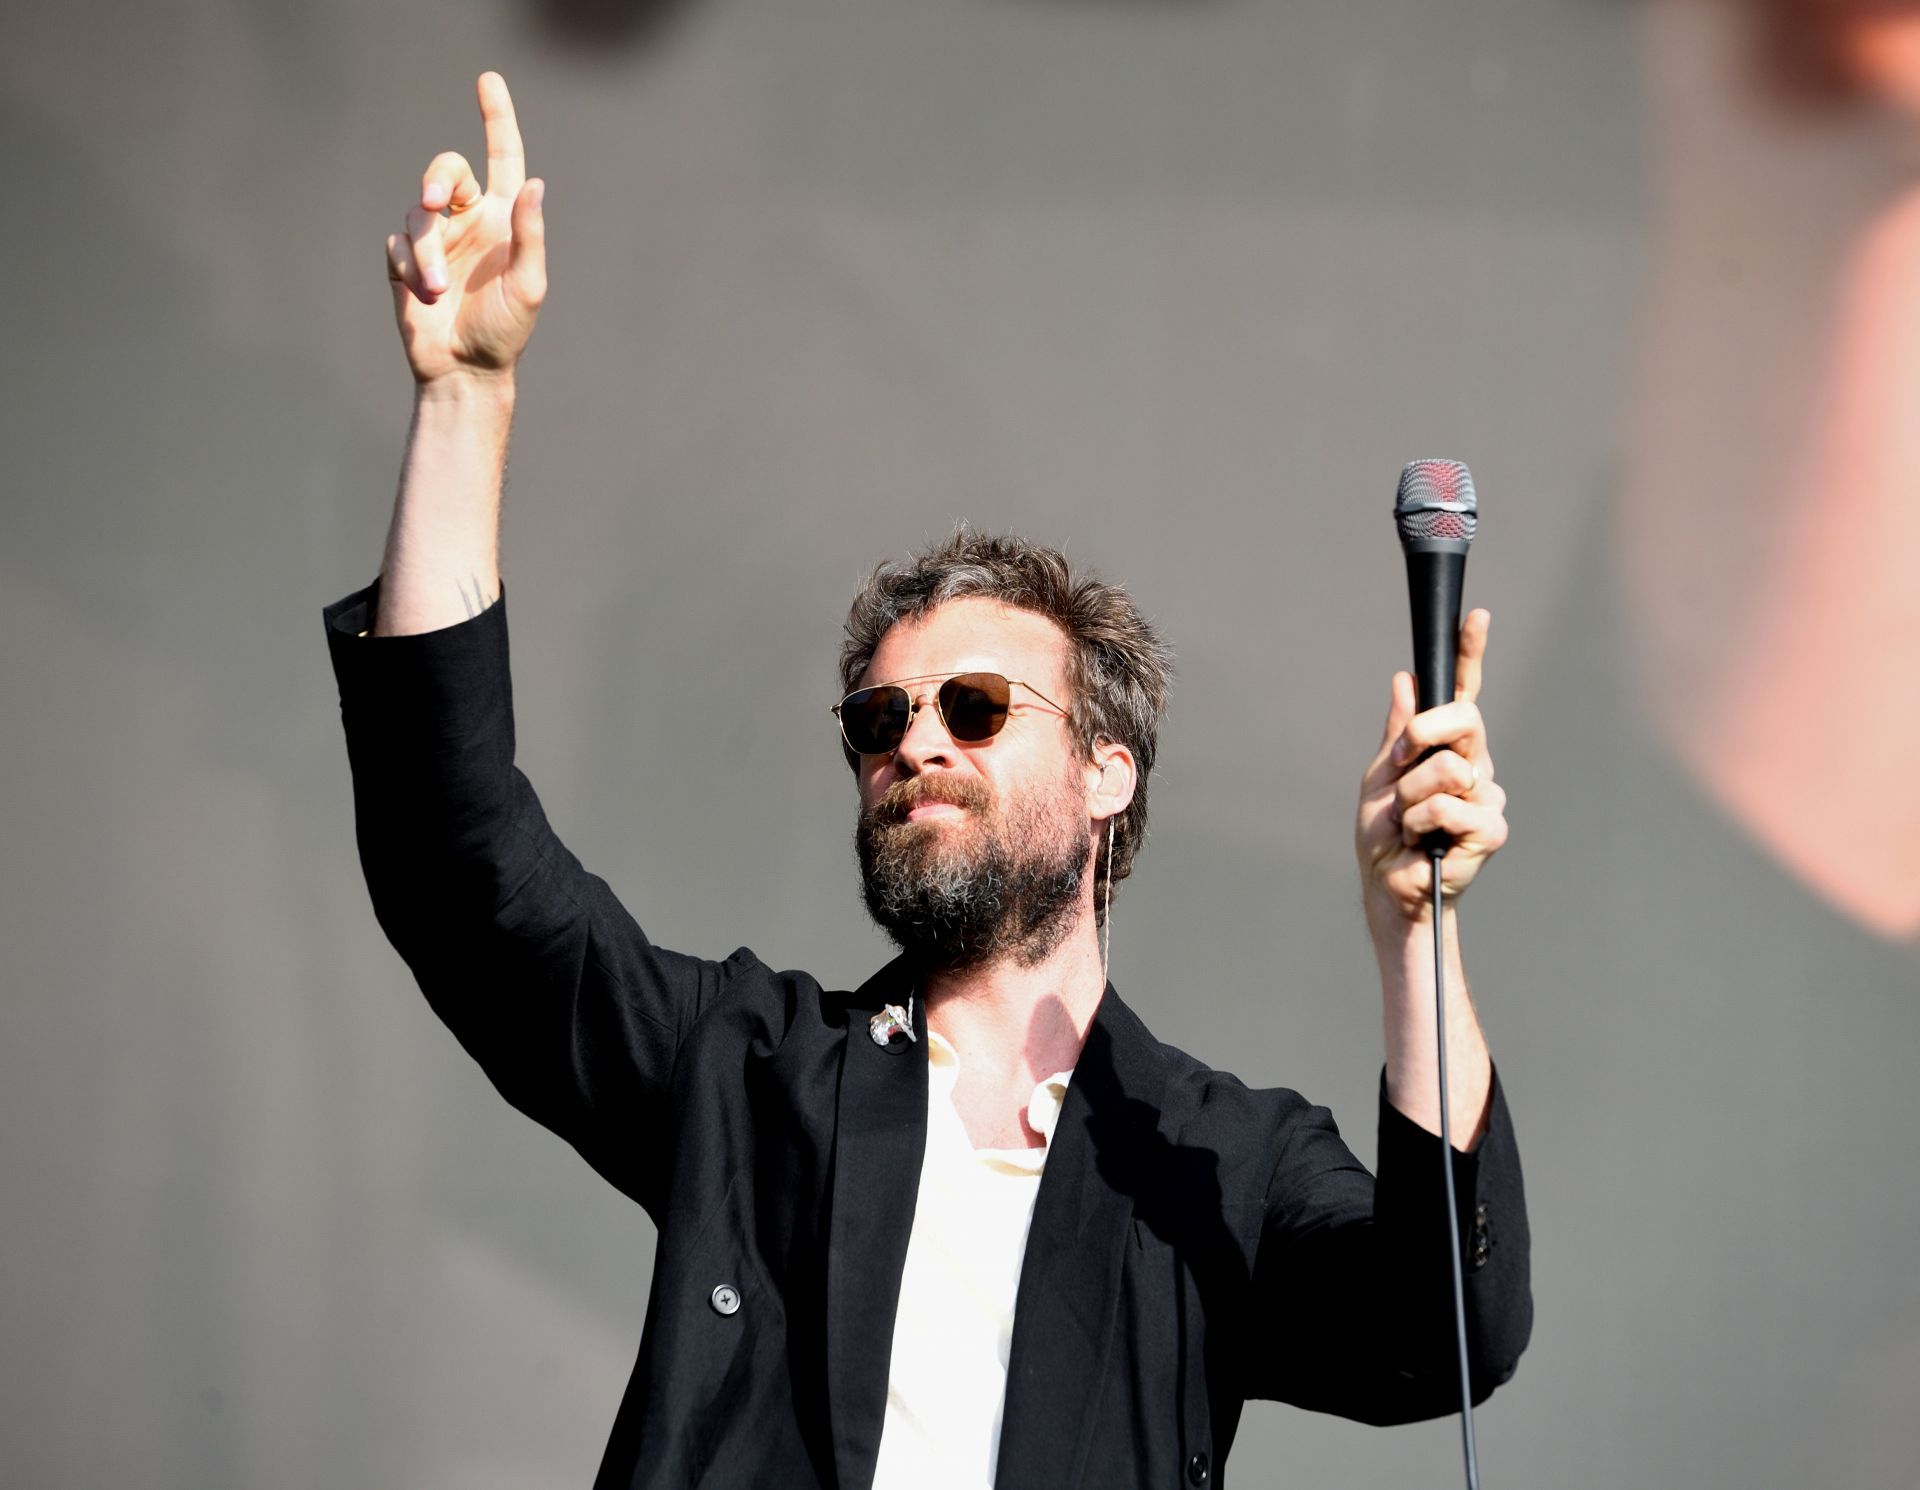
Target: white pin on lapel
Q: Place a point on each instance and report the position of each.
(890, 1021)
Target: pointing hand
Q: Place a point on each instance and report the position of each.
(470, 271)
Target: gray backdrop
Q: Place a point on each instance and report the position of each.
(1176, 285)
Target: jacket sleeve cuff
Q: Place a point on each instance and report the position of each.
(1495, 1244)
(449, 682)
(1486, 1178)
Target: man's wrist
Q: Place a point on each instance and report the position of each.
(461, 390)
(1393, 927)
(1403, 947)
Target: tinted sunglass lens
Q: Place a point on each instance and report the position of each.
(974, 705)
(875, 719)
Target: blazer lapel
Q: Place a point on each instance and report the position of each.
(1063, 1322)
(879, 1141)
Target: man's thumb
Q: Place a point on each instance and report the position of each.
(527, 260)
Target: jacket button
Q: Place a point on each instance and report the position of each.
(1197, 1468)
(1482, 1242)
(725, 1299)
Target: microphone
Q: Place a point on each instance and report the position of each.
(1437, 513)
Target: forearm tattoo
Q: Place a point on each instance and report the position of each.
(476, 599)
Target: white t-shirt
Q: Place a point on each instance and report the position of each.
(947, 1383)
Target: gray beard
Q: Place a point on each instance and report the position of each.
(1004, 889)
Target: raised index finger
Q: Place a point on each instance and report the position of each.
(506, 156)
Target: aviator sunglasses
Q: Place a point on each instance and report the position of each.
(972, 706)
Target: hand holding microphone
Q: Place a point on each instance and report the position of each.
(1430, 785)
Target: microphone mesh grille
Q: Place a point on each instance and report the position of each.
(1436, 500)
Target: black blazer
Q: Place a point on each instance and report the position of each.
(1194, 1243)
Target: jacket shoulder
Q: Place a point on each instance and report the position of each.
(1210, 1117)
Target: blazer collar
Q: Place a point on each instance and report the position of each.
(1064, 1314)
(880, 1140)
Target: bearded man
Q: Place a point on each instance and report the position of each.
(969, 1224)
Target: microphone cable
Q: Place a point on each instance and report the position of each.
(1434, 857)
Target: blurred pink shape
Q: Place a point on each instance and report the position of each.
(1771, 523)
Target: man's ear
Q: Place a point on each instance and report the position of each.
(1111, 776)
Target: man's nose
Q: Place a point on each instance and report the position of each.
(926, 741)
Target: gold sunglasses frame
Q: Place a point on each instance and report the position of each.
(914, 706)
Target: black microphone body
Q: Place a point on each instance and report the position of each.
(1436, 572)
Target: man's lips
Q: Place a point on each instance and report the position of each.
(928, 810)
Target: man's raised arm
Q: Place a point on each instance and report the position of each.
(531, 961)
(1371, 1335)
(469, 274)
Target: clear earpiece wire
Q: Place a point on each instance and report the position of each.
(1106, 920)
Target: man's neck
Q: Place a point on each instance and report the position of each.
(1014, 1026)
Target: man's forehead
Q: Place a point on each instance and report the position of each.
(972, 632)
